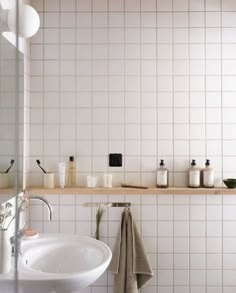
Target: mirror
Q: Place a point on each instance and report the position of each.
(11, 119)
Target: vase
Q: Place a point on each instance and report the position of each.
(5, 252)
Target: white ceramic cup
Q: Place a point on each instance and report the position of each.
(48, 180)
(3, 180)
(107, 180)
(91, 181)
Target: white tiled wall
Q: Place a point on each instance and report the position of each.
(151, 79)
(190, 240)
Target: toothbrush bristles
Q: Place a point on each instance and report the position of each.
(38, 162)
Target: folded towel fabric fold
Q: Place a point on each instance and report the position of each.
(129, 264)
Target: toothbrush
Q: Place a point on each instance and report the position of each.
(11, 164)
(38, 162)
(133, 186)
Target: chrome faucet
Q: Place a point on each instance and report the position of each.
(16, 239)
(34, 197)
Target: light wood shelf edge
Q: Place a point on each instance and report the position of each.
(7, 191)
(130, 191)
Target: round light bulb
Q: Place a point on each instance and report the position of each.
(28, 23)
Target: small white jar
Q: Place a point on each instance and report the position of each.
(107, 180)
(91, 181)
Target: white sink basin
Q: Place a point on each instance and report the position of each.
(61, 263)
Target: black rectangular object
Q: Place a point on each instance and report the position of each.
(115, 160)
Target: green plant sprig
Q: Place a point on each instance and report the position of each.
(99, 215)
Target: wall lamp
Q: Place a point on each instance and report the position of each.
(28, 21)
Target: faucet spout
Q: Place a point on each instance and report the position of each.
(34, 197)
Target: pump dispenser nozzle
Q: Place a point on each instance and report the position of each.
(71, 158)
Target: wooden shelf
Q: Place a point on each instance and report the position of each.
(7, 191)
(130, 191)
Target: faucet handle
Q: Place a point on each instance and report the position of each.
(21, 232)
(16, 240)
(19, 235)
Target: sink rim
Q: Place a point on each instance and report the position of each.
(28, 245)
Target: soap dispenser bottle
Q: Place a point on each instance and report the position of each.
(162, 176)
(208, 175)
(194, 175)
(71, 172)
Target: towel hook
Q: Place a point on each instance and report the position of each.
(127, 206)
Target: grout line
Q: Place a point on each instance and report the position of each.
(189, 86)
(108, 128)
(221, 65)
(173, 93)
(206, 154)
(173, 136)
(189, 134)
(76, 118)
(134, 43)
(133, 12)
(157, 103)
(92, 91)
(157, 246)
(140, 94)
(222, 146)
(222, 236)
(206, 240)
(106, 75)
(108, 80)
(118, 59)
(205, 80)
(124, 94)
(164, 92)
(76, 95)
(59, 134)
(43, 89)
(59, 74)
(189, 245)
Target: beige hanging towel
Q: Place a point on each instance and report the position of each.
(129, 264)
